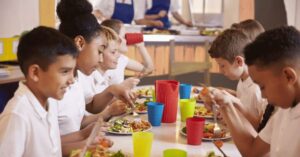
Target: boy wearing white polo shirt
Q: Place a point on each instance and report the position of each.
(29, 124)
(273, 60)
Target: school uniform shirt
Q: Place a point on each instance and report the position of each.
(71, 109)
(27, 129)
(174, 5)
(282, 132)
(107, 7)
(250, 95)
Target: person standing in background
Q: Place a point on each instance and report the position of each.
(125, 11)
(159, 10)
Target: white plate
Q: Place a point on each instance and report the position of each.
(227, 136)
(126, 133)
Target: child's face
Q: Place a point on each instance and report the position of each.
(57, 78)
(111, 55)
(123, 47)
(274, 86)
(233, 71)
(89, 56)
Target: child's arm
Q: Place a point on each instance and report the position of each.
(230, 91)
(248, 145)
(101, 100)
(161, 14)
(181, 20)
(147, 67)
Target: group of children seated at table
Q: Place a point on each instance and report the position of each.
(75, 74)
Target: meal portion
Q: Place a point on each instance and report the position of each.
(208, 131)
(125, 126)
(144, 92)
(141, 105)
(202, 111)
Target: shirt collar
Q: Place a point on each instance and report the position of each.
(36, 105)
(248, 82)
(295, 111)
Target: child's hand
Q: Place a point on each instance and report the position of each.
(123, 93)
(162, 13)
(157, 23)
(118, 107)
(85, 132)
(131, 82)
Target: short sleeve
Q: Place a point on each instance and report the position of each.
(106, 7)
(12, 135)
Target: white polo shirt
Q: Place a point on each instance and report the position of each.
(107, 7)
(282, 132)
(174, 5)
(71, 109)
(27, 129)
(250, 95)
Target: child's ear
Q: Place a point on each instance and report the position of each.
(33, 72)
(290, 75)
(79, 42)
(239, 60)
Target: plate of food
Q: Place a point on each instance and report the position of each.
(208, 134)
(144, 92)
(202, 111)
(98, 151)
(140, 105)
(127, 127)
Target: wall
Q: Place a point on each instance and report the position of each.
(17, 16)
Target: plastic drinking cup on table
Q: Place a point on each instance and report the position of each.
(142, 144)
(153, 95)
(194, 130)
(185, 91)
(155, 111)
(187, 108)
(175, 153)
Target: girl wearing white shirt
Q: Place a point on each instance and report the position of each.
(125, 11)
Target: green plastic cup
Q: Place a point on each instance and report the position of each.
(187, 108)
(175, 153)
(142, 143)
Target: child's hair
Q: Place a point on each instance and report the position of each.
(250, 27)
(109, 33)
(229, 44)
(77, 19)
(41, 46)
(114, 24)
(280, 46)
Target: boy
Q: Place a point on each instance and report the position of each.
(29, 125)
(227, 50)
(273, 60)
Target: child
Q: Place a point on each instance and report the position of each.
(273, 61)
(78, 23)
(227, 50)
(29, 125)
(250, 27)
(124, 62)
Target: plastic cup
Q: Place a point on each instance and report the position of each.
(142, 143)
(187, 108)
(185, 91)
(155, 112)
(194, 130)
(175, 153)
(153, 95)
(133, 38)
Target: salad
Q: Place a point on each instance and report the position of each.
(126, 126)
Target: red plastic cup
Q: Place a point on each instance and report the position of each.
(194, 130)
(134, 38)
(167, 93)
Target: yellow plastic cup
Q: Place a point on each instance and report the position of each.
(175, 152)
(153, 95)
(187, 108)
(142, 143)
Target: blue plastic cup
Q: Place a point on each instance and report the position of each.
(155, 112)
(185, 91)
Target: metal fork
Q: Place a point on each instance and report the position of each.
(217, 129)
(224, 155)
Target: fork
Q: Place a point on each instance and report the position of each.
(224, 155)
(217, 129)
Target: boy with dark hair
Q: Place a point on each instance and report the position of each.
(227, 50)
(29, 124)
(273, 60)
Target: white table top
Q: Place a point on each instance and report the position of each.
(168, 136)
